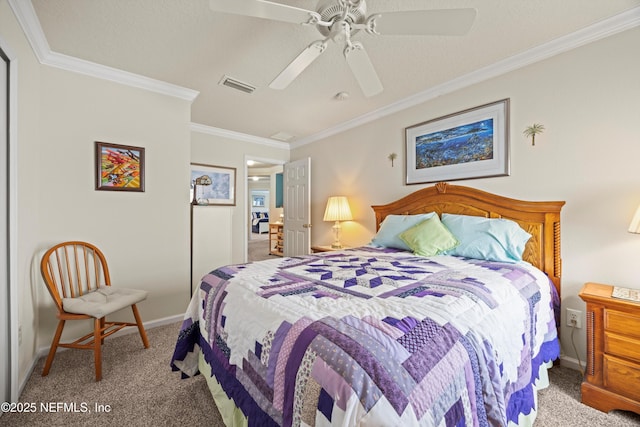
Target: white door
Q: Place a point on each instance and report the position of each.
(297, 207)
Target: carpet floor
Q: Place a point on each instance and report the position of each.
(139, 389)
(258, 250)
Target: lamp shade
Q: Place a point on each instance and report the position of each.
(203, 180)
(337, 209)
(635, 222)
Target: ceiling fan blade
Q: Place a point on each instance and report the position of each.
(298, 65)
(445, 22)
(264, 9)
(363, 70)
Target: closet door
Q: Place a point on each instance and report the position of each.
(5, 374)
(210, 240)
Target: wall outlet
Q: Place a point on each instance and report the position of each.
(574, 318)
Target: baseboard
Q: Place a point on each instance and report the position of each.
(43, 351)
(571, 363)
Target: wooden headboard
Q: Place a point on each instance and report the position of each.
(540, 219)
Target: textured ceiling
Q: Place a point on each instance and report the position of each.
(184, 43)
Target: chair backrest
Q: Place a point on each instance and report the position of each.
(71, 269)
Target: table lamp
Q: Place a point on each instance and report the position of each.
(202, 180)
(337, 210)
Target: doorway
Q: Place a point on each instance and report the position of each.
(262, 205)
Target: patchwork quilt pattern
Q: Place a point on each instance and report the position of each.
(373, 337)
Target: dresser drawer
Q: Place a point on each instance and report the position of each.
(618, 345)
(622, 323)
(622, 377)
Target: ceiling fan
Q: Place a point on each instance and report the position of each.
(338, 20)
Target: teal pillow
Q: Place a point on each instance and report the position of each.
(493, 239)
(429, 238)
(392, 226)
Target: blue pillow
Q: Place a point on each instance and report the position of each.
(493, 239)
(390, 228)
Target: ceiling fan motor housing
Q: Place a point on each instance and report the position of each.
(333, 10)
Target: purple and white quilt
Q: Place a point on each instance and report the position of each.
(373, 337)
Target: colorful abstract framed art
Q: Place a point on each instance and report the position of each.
(119, 167)
(213, 185)
(473, 143)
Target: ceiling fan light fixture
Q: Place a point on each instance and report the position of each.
(236, 84)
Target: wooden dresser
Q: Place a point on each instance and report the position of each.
(612, 378)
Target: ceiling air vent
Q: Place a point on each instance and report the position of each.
(237, 84)
(282, 136)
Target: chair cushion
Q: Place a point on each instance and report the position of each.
(104, 300)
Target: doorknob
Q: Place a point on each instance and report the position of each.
(306, 225)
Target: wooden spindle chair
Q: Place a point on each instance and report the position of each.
(77, 277)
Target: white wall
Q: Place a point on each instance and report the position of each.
(589, 102)
(212, 149)
(144, 235)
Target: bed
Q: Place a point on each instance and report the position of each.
(379, 335)
(259, 222)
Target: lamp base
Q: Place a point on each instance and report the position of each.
(336, 235)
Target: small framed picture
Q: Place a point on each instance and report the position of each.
(473, 143)
(213, 185)
(119, 167)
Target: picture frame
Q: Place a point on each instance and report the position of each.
(469, 144)
(119, 167)
(221, 187)
(257, 201)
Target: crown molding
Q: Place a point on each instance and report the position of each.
(26, 16)
(81, 66)
(210, 130)
(600, 30)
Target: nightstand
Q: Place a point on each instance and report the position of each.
(327, 248)
(276, 245)
(612, 378)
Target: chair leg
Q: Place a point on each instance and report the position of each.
(54, 347)
(97, 347)
(102, 323)
(143, 334)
